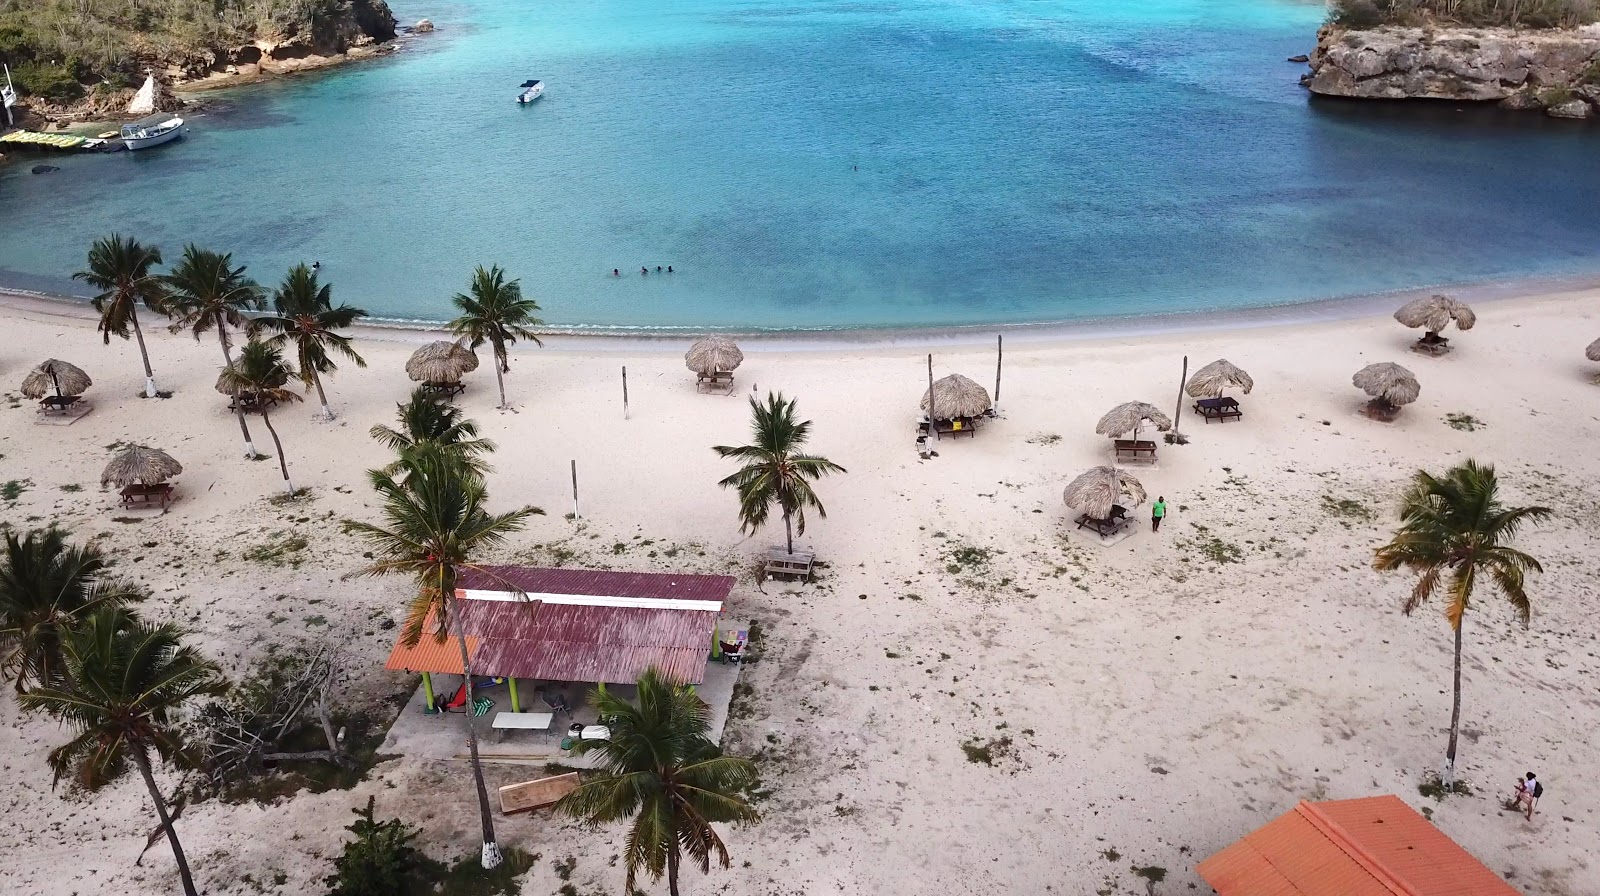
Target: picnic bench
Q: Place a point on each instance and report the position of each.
(956, 427)
(446, 389)
(1131, 448)
(139, 493)
(59, 404)
(722, 379)
(1223, 409)
(782, 563)
(251, 402)
(536, 793)
(521, 721)
(1109, 526)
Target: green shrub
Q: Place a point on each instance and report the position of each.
(51, 81)
(380, 861)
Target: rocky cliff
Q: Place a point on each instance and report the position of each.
(1555, 70)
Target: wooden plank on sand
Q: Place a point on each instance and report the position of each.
(533, 794)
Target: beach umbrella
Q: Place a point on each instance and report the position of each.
(1096, 490)
(1389, 384)
(1130, 417)
(136, 463)
(1593, 351)
(64, 378)
(1213, 379)
(713, 355)
(441, 362)
(957, 396)
(1434, 313)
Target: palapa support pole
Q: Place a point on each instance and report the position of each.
(574, 488)
(427, 688)
(624, 391)
(511, 682)
(999, 358)
(931, 417)
(1177, 413)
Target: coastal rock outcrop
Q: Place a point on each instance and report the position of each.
(1526, 69)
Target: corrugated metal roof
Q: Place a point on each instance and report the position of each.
(1376, 846)
(597, 583)
(430, 654)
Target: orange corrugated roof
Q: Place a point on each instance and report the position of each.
(430, 654)
(1376, 846)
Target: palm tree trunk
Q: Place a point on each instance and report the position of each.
(321, 395)
(672, 868)
(500, 379)
(143, 762)
(149, 375)
(491, 849)
(788, 530)
(238, 409)
(1449, 775)
(283, 462)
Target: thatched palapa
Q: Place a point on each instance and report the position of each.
(1096, 491)
(1217, 377)
(713, 355)
(441, 362)
(1130, 417)
(1434, 313)
(136, 463)
(957, 396)
(1389, 384)
(57, 377)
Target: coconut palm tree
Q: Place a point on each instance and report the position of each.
(434, 525)
(126, 682)
(261, 371)
(775, 472)
(659, 768)
(494, 311)
(305, 316)
(1454, 531)
(47, 587)
(425, 420)
(205, 291)
(120, 269)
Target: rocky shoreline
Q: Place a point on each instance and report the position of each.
(1556, 71)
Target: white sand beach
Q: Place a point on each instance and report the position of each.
(1143, 704)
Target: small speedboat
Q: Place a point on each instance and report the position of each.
(531, 90)
(152, 131)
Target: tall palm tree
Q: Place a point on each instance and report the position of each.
(1454, 530)
(424, 421)
(494, 311)
(435, 525)
(120, 268)
(126, 682)
(305, 316)
(205, 291)
(261, 371)
(47, 587)
(660, 769)
(775, 472)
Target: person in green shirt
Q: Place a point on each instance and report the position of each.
(1158, 510)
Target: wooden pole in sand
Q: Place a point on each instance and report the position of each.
(930, 396)
(999, 358)
(624, 391)
(1177, 412)
(574, 488)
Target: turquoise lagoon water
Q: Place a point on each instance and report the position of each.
(826, 164)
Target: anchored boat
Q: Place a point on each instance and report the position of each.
(152, 131)
(531, 90)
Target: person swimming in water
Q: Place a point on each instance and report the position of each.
(643, 271)
(615, 272)
(669, 268)
(658, 269)
(316, 265)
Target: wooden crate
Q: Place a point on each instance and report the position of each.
(533, 794)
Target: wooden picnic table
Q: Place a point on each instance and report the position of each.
(446, 389)
(782, 563)
(722, 379)
(58, 403)
(1111, 525)
(139, 493)
(251, 402)
(1134, 449)
(1223, 409)
(956, 427)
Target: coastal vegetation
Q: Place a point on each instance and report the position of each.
(304, 314)
(205, 291)
(1453, 532)
(493, 310)
(1359, 14)
(775, 469)
(260, 372)
(121, 269)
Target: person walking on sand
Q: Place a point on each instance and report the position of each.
(1158, 511)
(1528, 792)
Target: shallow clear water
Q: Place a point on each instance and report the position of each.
(816, 164)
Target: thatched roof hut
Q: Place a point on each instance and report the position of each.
(1389, 384)
(441, 362)
(1217, 377)
(957, 396)
(1434, 313)
(1130, 417)
(713, 355)
(1095, 491)
(1593, 351)
(55, 376)
(136, 463)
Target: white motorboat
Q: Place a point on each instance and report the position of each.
(152, 131)
(531, 90)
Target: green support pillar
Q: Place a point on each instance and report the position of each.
(515, 706)
(427, 688)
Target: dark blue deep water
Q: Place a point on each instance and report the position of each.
(826, 164)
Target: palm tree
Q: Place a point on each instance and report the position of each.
(306, 316)
(126, 682)
(494, 311)
(206, 291)
(424, 421)
(660, 769)
(261, 371)
(120, 269)
(47, 587)
(775, 471)
(434, 525)
(1453, 529)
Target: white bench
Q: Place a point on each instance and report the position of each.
(528, 721)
